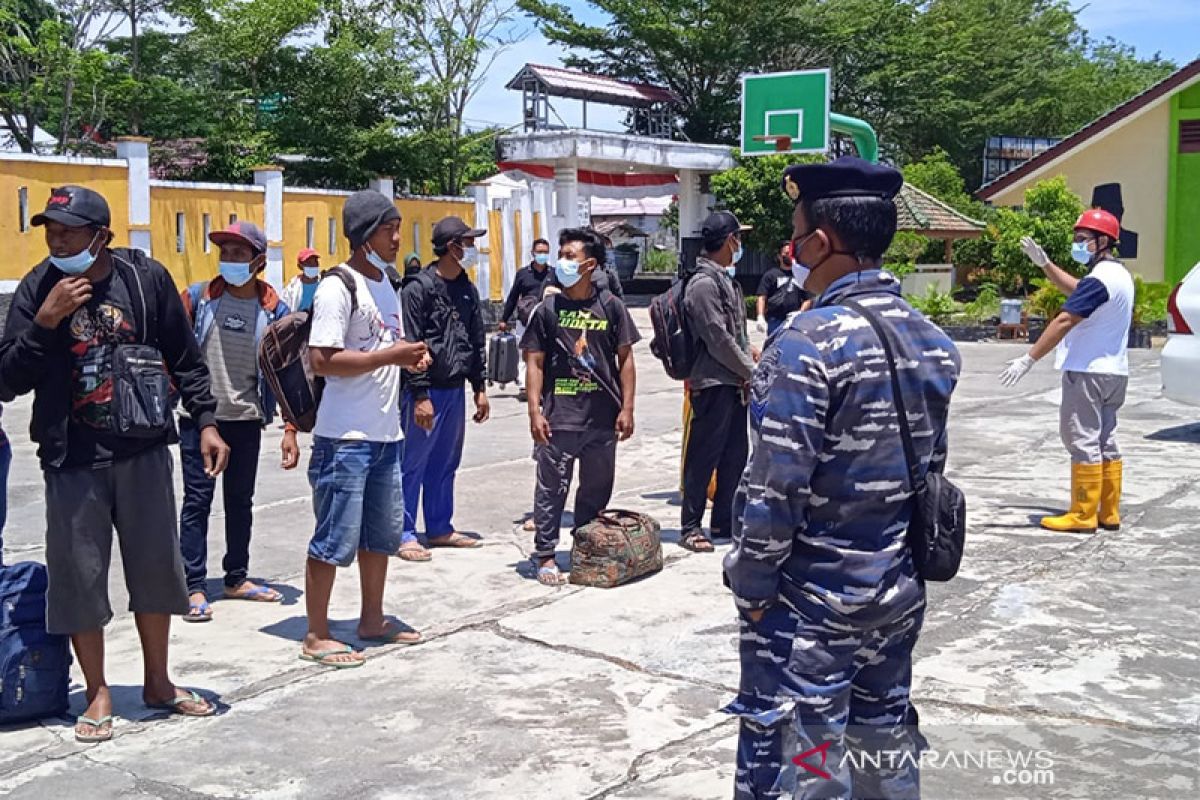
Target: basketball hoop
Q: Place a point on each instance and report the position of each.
(783, 144)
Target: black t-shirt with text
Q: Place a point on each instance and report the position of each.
(582, 385)
(782, 293)
(94, 331)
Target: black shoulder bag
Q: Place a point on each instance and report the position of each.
(938, 526)
(141, 401)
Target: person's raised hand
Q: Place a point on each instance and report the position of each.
(1034, 252)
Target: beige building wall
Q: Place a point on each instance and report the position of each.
(1135, 156)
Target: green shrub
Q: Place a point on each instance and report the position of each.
(1149, 301)
(984, 307)
(939, 306)
(1047, 300)
(752, 307)
(659, 261)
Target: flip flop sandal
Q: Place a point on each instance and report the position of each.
(102, 734)
(549, 576)
(198, 612)
(174, 705)
(413, 552)
(393, 638)
(323, 657)
(259, 594)
(457, 540)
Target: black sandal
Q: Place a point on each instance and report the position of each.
(697, 542)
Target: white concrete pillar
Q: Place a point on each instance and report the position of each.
(483, 272)
(524, 201)
(136, 152)
(543, 206)
(271, 179)
(385, 185)
(509, 234)
(691, 205)
(566, 193)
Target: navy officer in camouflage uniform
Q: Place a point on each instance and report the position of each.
(829, 602)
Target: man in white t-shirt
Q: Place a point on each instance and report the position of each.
(357, 344)
(1091, 335)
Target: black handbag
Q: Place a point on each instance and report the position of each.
(142, 405)
(938, 527)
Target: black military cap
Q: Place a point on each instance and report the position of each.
(75, 207)
(847, 176)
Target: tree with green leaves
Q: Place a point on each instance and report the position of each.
(752, 190)
(1049, 216)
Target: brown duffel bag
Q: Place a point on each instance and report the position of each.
(615, 548)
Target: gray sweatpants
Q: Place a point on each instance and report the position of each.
(136, 496)
(1088, 417)
(596, 452)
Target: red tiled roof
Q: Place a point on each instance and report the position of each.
(561, 82)
(923, 213)
(1130, 107)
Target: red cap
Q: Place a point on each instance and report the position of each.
(1098, 220)
(306, 254)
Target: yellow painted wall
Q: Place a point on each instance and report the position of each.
(24, 249)
(298, 209)
(194, 264)
(424, 214)
(1134, 156)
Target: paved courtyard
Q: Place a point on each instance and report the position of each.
(1077, 653)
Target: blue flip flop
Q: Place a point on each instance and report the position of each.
(198, 612)
(259, 594)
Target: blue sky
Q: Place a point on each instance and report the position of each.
(1171, 27)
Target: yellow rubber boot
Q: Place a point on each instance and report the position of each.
(1110, 497)
(1086, 481)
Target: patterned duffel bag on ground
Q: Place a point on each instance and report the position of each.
(615, 548)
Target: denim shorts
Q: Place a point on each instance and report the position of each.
(356, 498)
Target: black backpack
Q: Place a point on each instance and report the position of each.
(672, 344)
(283, 358)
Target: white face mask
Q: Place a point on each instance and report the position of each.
(470, 257)
(800, 274)
(377, 260)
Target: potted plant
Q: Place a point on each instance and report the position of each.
(625, 260)
(1149, 308)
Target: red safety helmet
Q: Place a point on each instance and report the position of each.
(1097, 220)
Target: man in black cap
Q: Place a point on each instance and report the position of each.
(81, 322)
(442, 308)
(823, 578)
(357, 345)
(716, 439)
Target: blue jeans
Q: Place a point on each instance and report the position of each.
(237, 486)
(431, 460)
(5, 463)
(356, 498)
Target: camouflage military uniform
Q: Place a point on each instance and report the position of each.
(820, 544)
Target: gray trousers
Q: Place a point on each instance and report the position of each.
(1088, 417)
(136, 496)
(596, 452)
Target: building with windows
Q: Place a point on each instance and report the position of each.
(1141, 161)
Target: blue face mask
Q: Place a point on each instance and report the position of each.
(312, 272)
(567, 272)
(1080, 252)
(542, 258)
(234, 273)
(377, 260)
(731, 270)
(737, 254)
(79, 263)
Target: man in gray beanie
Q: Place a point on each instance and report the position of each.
(357, 344)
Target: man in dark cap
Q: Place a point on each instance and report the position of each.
(824, 581)
(79, 322)
(716, 439)
(229, 315)
(357, 344)
(442, 308)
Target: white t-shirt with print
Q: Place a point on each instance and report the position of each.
(365, 407)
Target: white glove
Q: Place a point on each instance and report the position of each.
(760, 325)
(1035, 252)
(1016, 370)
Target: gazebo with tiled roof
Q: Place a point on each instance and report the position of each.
(921, 212)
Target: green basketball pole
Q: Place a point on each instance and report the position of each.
(865, 140)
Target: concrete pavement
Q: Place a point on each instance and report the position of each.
(1079, 650)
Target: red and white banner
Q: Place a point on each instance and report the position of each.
(615, 185)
